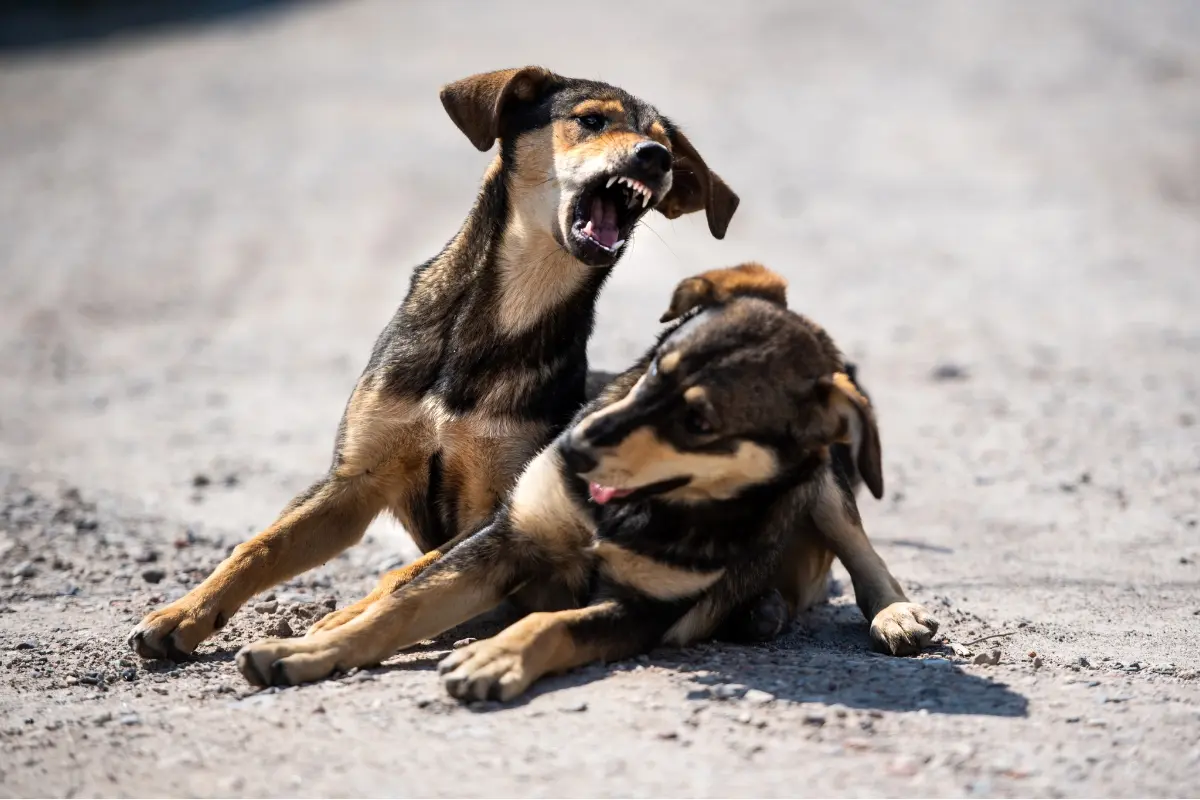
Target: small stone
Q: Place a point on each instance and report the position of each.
(1072, 720)
(574, 707)
(1031, 654)
(103, 718)
(1163, 669)
(668, 735)
(1097, 723)
(1188, 675)
(728, 691)
(130, 719)
(146, 557)
(758, 697)
(987, 659)
(1083, 662)
(71, 680)
(200, 480)
(26, 645)
(1134, 666)
(24, 570)
(1037, 662)
(269, 607)
(814, 718)
(949, 371)
(463, 642)
(129, 675)
(961, 650)
(745, 718)
(153, 575)
(281, 629)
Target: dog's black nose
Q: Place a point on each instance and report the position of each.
(653, 157)
(579, 459)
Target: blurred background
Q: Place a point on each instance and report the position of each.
(208, 211)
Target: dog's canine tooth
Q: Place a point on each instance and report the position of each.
(611, 181)
(618, 244)
(646, 199)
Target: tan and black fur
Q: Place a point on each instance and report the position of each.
(695, 489)
(485, 361)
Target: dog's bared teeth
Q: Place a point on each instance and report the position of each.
(611, 181)
(617, 245)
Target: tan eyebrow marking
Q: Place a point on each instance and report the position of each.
(605, 107)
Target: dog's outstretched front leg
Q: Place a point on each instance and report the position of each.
(317, 525)
(472, 578)
(544, 643)
(898, 626)
(391, 582)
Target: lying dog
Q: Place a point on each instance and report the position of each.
(698, 483)
(486, 360)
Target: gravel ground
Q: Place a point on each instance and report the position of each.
(995, 209)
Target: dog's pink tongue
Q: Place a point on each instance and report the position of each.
(603, 223)
(602, 494)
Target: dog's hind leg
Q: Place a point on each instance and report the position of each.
(320, 523)
(898, 626)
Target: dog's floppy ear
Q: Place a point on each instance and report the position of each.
(856, 426)
(694, 186)
(721, 285)
(477, 104)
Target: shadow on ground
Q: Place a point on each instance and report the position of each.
(824, 659)
(33, 24)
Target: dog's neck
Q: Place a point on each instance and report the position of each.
(535, 273)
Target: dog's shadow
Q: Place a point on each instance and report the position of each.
(825, 658)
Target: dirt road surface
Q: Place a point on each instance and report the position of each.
(994, 207)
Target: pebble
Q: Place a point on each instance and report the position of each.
(153, 575)
(815, 719)
(988, 659)
(146, 557)
(1097, 723)
(281, 629)
(1163, 669)
(758, 697)
(574, 707)
(129, 674)
(200, 480)
(102, 719)
(1037, 662)
(668, 735)
(961, 650)
(949, 371)
(464, 642)
(130, 719)
(269, 607)
(28, 644)
(728, 691)
(24, 570)
(1083, 661)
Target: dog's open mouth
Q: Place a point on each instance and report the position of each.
(605, 214)
(603, 495)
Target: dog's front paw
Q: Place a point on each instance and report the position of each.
(486, 670)
(903, 629)
(287, 662)
(177, 630)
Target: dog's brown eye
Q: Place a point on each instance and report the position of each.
(696, 423)
(593, 122)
